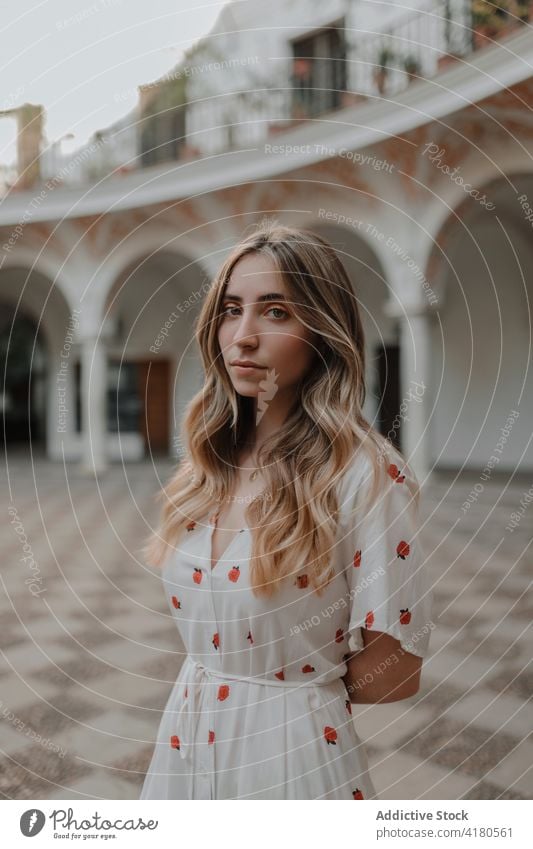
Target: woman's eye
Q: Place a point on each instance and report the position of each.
(279, 310)
(280, 313)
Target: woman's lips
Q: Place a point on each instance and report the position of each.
(247, 369)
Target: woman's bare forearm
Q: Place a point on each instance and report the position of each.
(382, 672)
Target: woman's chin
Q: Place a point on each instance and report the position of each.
(247, 385)
(247, 391)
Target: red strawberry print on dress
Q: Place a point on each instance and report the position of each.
(186, 692)
(249, 637)
(216, 641)
(302, 581)
(330, 734)
(348, 704)
(394, 472)
(280, 675)
(369, 619)
(191, 526)
(223, 692)
(357, 558)
(339, 635)
(176, 603)
(405, 616)
(234, 573)
(175, 741)
(403, 549)
(211, 737)
(197, 575)
(308, 668)
(357, 794)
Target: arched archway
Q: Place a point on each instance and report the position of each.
(153, 367)
(23, 370)
(382, 343)
(482, 265)
(38, 361)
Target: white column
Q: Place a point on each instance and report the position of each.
(415, 379)
(60, 406)
(93, 358)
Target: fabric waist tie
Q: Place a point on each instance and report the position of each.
(188, 714)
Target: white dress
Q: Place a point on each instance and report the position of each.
(259, 710)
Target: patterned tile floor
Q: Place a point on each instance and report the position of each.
(87, 660)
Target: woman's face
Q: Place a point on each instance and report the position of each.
(259, 324)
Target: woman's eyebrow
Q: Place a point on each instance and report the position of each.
(271, 296)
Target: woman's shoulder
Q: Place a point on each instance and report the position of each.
(385, 461)
(358, 466)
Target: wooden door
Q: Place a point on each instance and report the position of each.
(154, 393)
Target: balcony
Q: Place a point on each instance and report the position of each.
(313, 78)
(314, 83)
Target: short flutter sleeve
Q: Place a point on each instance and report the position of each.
(383, 560)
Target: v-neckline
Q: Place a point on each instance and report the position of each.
(213, 519)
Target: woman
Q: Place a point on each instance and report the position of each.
(288, 541)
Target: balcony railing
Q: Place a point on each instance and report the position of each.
(412, 47)
(420, 44)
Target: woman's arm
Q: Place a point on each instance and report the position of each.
(382, 671)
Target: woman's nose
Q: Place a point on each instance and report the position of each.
(245, 328)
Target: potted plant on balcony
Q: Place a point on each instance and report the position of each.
(411, 67)
(446, 60)
(522, 10)
(488, 20)
(301, 68)
(384, 61)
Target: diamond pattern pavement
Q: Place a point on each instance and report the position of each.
(86, 665)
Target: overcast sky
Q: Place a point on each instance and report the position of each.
(82, 59)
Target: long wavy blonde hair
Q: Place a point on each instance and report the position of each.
(303, 462)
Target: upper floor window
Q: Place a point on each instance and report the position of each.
(318, 71)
